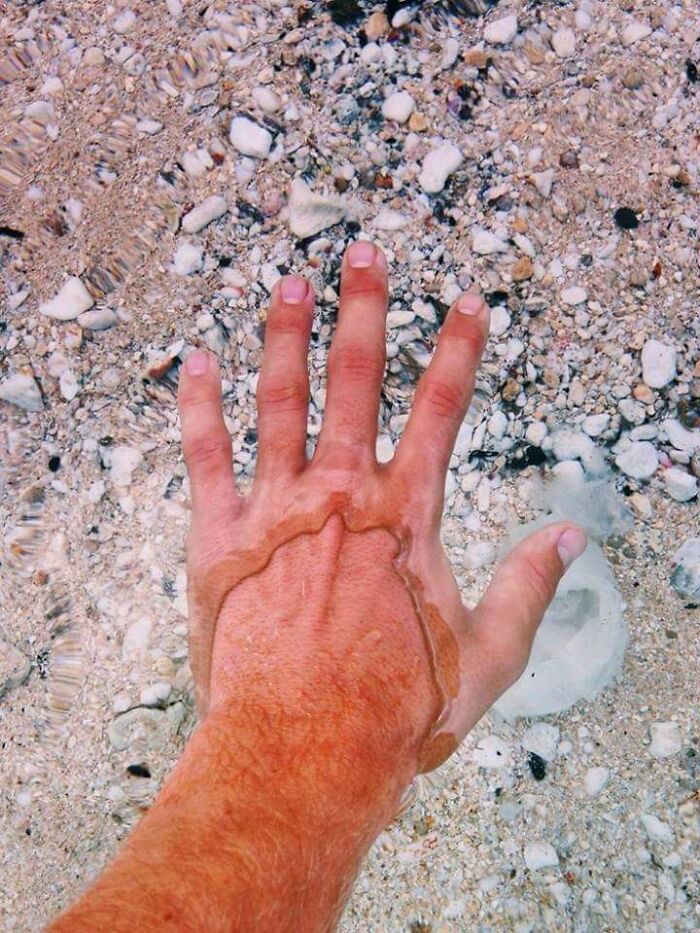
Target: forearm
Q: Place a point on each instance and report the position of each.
(262, 826)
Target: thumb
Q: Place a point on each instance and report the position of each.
(507, 618)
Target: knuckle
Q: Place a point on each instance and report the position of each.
(281, 323)
(443, 399)
(276, 397)
(540, 584)
(365, 288)
(207, 452)
(355, 363)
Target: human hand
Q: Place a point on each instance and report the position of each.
(326, 592)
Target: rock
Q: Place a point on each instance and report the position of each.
(685, 578)
(122, 461)
(72, 299)
(418, 122)
(536, 433)
(15, 667)
(564, 42)
(384, 448)
(595, 425)
(492, 752)
(500, 321)
(68, 384)
(522, 270)
(640, 460)
(249, 138)
(575, 295)
(626, 218)
(144, 729)
(266, 99)
(438, 165)
(680, 485)
(656, 828)
(633, 32)
(595, 779)
(479, 554)
(377, 25)
(155, 694)
(497, 424)
(632, 79)
(124, 22)
(543, 181)
(502, 31)
(485, 243)
(98, 318)
(22, 391)
(311, 213)
(388, 219)
(398, 107)
(679, 437)
(658, 364)
(540, 855)
(632, 411)
(542, 739)
(210, 209)
(188, 258)
(665, 739)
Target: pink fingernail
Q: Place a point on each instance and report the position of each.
(571, 544)
(197, 362)
(470, 304)
(293, 290)
(361, 254)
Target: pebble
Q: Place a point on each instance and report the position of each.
(626, 218)
(155, 694)
(685, 578)
(398, 107)
(72, 299)
(390, 220)
(145, 728)
(594, 780)
(595, 425)
(266, 99)
(540, 855)
(656, 828)
(485, 243)
(98, 318)
(310, 213)
(500, 321)
(542, 739)
(536, 433)
(680, 485)
(679, 437)
(188, 258)
(437, 167)
(575, 295)
(665, 739)
(658, 364)
(384, 448)
(544, 181)
(210, 209)
(249, 138)
(640, 460)
(68, 384)
(122, 461)
(564, 42)
(22, 391)
(634, 31)
(502, 31)
(492, 752)
(124, 22)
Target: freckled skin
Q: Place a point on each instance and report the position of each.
(332, 656)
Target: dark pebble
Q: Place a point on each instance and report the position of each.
(626, 218)
(139, 771)
(538, 766)
(569, 159)
(54, 464)
(691, 70)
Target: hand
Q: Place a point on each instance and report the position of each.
(326, 595)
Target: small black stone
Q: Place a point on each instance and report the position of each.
(139, 771)
(538, 766)
(626, 218)
(54, 464)
(345, 12)
(691, 70)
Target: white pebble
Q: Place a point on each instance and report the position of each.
(575, 295)
(500, 321)
(492, 752)
(438, 165)
(210, 209)
(390, 220)
(543, 181)
(124, 22)
(680, 485)
(398, 107)
(540, 855)
(266, 99)
(188, 259)
(640, 460)
(72, 299)
(497, 424)
(595, 779)
(536, 433)
(22, 391)
(656, 828)
(594, 425)
(502, 31)
(384, 448)
(485, 243)
(479, 554)
(249, 138)
(634, 31)
(665, 739)
(542, 739)
(122, 461)
(149, 127)
(98, 318)
(658, 364)
(68, 384)
(174, 7)
(564, 42)
(155, 694)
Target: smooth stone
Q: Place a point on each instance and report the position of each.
(543, 181)
(98, 318)
(633, 32)
(124, 22)
(665, 739)
(122, 460)
(438, 165)
(502, 31)
(210, 209)
(311, 213)
(266, 99)
(575, 295)
(484, 242)
(155, 694)
(656, 828)
(595, 425)
(685, 578)
(22, 391)
(68, 384)
(390, 220)
(72, 299)
(398, 107)
(564, 42)
(500, 321)
(658, 364)
(540, 855)
(640, 460)
(536, 433)
(595, 779)
(680, 485)
(384, 448)
(679, 437)
(188, 259)
(249, 138)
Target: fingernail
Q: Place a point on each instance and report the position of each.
(470, 304)
(293, 290)
(571, 544)
(197, 362)
(361, 254)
